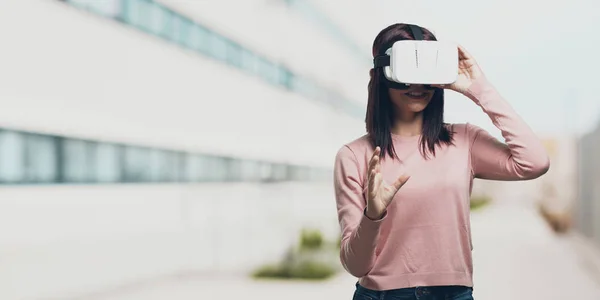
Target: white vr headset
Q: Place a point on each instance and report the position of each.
(418, 61)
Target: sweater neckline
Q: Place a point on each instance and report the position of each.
(405, 138)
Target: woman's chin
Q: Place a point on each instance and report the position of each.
(417, 107)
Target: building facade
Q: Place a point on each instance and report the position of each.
(143, 138)
(587, 209)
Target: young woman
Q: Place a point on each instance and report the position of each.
(403, 189)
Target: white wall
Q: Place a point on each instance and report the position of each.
(282, 33)
(57, 241)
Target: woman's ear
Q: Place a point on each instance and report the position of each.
(371, 72)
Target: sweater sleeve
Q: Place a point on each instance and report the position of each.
(521, 157)
(359, 233)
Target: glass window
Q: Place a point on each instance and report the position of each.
(299, 173)
(155, 19)
(181, 30)
(217, 168)
(136, 13)
(37, 158)
(266, 171)
(137, 164)
(285, 77)
(250, 170)
(108, 162)
(268, 71)
(146, 15)
(163, 166)
(78, 161)
(107, 8)
(78, 3)
(180, 166)
(218, 47)
(296, 84)
(12, 160)
(168, 24)
(273, 71)
(303, 87)
(160, 20)
(193, 39)
(41, 157)
(234, 54)
(199, 39)
(280, 172)
(234, 169)
(196, 168)
(249, 61)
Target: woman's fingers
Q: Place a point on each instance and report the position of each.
(374, 161)
(373, 164)
(400, 182)
(378, 161)
(371, 181)
(375, 184)
(373, 175)
(378, 182)
(466, 60)
(463, 53)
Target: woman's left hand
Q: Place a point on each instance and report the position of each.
(468, 72)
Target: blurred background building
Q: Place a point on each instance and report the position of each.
(586, 212)
(142, 139)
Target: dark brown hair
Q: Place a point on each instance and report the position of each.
(380, 109)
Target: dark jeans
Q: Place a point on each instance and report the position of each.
(454, 292)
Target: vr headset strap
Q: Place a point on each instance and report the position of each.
(383, 60)
(416, 31)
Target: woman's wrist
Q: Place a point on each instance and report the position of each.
(374, 216)
(476, 88)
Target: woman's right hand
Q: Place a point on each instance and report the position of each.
(379, 194)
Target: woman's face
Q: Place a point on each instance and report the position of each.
(414, 99)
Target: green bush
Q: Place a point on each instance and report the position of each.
(478, 202)
(303, 270)
(311, 270)
(309, 260)
(311, 239)
(271, 271)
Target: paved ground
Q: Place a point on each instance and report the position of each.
(516, 257)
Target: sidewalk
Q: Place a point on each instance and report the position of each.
(516, 257)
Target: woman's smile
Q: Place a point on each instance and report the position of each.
(417, 95)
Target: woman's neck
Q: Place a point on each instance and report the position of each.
(408, 125)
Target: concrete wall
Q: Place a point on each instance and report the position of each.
(587, 210)
(558, 187)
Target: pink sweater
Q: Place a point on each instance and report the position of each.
(424, 239)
